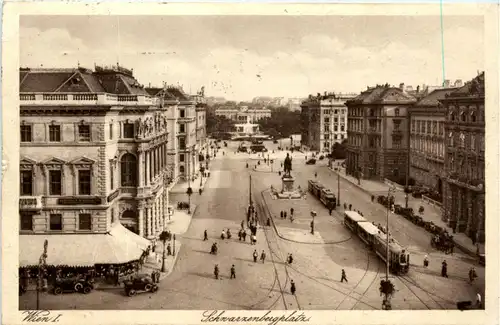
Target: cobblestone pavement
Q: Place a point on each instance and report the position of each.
(317, 263)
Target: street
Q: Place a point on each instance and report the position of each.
(318, 258)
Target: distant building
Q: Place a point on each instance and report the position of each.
(243, 114)
(324, 120)
(215, 100)
(464, 186)
(426, 158)
(377, 133)
(244, 129)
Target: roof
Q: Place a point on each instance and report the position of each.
(433, 98)
(116, 247)
(368, 227)
(471, 89)
(177, 93)
(382, 94)
(355, 216)
(78, 80)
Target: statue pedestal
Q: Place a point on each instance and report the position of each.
(287, 183)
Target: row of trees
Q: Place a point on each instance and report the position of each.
(282, 123)
(339, 150)
(216, 123)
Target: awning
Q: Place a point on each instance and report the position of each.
(79, 249)
(122, 233)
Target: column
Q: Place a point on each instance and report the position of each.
(141, 220)
(146, 176)
(162, 158)
(470, 217)
(153, 219)
(149, 220)
(141, 168)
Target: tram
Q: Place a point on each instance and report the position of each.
(323, 194)
(376, 240)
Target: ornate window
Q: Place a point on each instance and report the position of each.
(462, 140)
(128, 170)
(26, 182)
(84, 180)
(54, 133)
(85, 221)
(128, 130)
(26, 131)
(83, 132)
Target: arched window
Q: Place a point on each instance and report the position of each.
(129, 214)
(181, 169)
(129, 170)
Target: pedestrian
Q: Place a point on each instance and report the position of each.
(330, 208)
(205, 235)
(254, 239)
(281, 214)
(292, 287)
(344, 277)
(255, 256)
(263, 256)
(350, 207)
(239, 235)
(316, 174)
(444, 269)
(153, 276)
(216, 271)
(223, 234)
(169, 249)
(426, 261)
(269, 222)
(290, 258)
(291, 212)
(244, 233)
(472, 274)
(242, 224)
(233, 272)
(478, 300)
(284, 214)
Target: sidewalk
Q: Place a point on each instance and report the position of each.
(182, 186)
(431, 213)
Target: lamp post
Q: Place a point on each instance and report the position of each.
(313, 214)
(42, 263)
(386, 304)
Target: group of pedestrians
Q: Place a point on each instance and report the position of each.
(283, 214)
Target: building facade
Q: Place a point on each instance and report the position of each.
(377, 133)
(464, 128)
(324, 120)
(186, 123)
(426, 157)
(244, 115)
(93, 153)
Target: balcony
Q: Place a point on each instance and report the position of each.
(80, 99)
(30, 203)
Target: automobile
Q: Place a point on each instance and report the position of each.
(139, 284)
(73, 285)
(311, 161)
(482, 260)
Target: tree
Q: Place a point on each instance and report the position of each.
(216, 124)
(282, 121)
(164, 237)
(339, 150)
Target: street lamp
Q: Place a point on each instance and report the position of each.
(386, 304)
(313, 214)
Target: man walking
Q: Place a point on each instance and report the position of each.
(291, 212)
(263, 256)
(444, 269)
(281, 214)
(292, 287)
(255, 256)
(169, 249)
(205, 235)
(344, 277)
(233, 272)
(472, 274)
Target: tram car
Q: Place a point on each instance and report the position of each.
(376, 240)
(323, 194)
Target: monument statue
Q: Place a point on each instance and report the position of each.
(287, 165)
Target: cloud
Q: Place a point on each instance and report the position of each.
(318, 63)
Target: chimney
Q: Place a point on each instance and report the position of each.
(402, 86)
(446, 83)
(149, 85)
(459, 83)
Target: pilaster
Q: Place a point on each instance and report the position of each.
(147, 179)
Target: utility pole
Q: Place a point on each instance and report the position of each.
(338, 187)
(387, 303)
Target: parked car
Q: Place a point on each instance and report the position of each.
(73, 285)
(311, 161)
(139, 284)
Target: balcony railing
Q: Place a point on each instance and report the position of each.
(75, 99)
(30, 203)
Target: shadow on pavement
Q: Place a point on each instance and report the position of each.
(204, 275)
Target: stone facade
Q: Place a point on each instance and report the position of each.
(427, 140)
(324, 120)
(464, 188)
(93, 152)
(377, 136)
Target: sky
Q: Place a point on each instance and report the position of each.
(241, 57)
